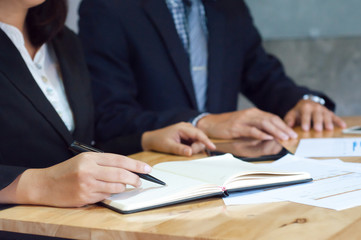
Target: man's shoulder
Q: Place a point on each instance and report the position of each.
(119, 5)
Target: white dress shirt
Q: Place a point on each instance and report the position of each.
(45, 70)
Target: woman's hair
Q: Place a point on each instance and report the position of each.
(46, 21)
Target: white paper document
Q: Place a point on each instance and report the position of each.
(336, 185)
(340, 192)
(329, 147)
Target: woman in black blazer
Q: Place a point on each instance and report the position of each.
(36, 128)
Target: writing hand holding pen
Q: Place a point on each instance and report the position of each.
(84, 179)
(80, 147)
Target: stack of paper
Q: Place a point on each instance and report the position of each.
(336, 185)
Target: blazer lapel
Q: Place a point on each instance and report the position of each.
(216, 30)
(25, 83)
(74, 90)
(162, 19)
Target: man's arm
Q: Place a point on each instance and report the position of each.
(108, 56)
(265, 83)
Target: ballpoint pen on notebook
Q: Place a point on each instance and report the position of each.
(81, 147)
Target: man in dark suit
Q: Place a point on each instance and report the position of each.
(157, 62)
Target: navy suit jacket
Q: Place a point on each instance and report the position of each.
(140, 69)
(32, 135)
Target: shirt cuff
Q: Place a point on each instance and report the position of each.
(195, 120)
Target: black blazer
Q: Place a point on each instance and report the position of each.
(31, 132)
(140, 69)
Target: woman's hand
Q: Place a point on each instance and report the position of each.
(84, 179)
(181, 139)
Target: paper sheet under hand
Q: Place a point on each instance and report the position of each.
(329, 147)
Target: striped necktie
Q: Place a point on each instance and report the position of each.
(198, 53)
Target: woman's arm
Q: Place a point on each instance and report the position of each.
(84, 179)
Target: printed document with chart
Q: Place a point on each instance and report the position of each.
(329, 147)
(336, 185)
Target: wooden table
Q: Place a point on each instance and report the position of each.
(203, 219)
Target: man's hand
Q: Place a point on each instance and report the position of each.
(172, 139)
(307, 113)
(250, 147)
(251, 122)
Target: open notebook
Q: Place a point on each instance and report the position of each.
(195, 179)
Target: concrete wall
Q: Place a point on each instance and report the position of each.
(73, 14)
(332, 66)
(279, 19)
(318, 41)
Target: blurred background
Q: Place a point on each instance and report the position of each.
(318, 41)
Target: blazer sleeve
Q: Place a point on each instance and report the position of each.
(8, 174)
(265, 81)
(107, 53)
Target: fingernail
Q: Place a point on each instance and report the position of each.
(318, 128)
(187, 151)
(294, 135)
(305, 127)
(213, 145)
(284, 137)
(147, 168)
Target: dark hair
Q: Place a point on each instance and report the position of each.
(45, 21)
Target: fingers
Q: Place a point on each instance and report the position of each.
(169, 139)
(321, 118)
(338, 121)
(198, 147)
(290, 118)
(274, 126)
(274, 130)
(119, 161)
(254, 132)
(313, 113)
(328, 119)
(318, 120)
(117, 170)
(117, 177)
(306, 115)
(283, 131)
(109, 187)
(179, 149)
(187, 131)
(260, 125)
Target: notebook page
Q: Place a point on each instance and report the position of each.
(150, 194)
(215, 170)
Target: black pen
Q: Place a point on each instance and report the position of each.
(78, 147)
